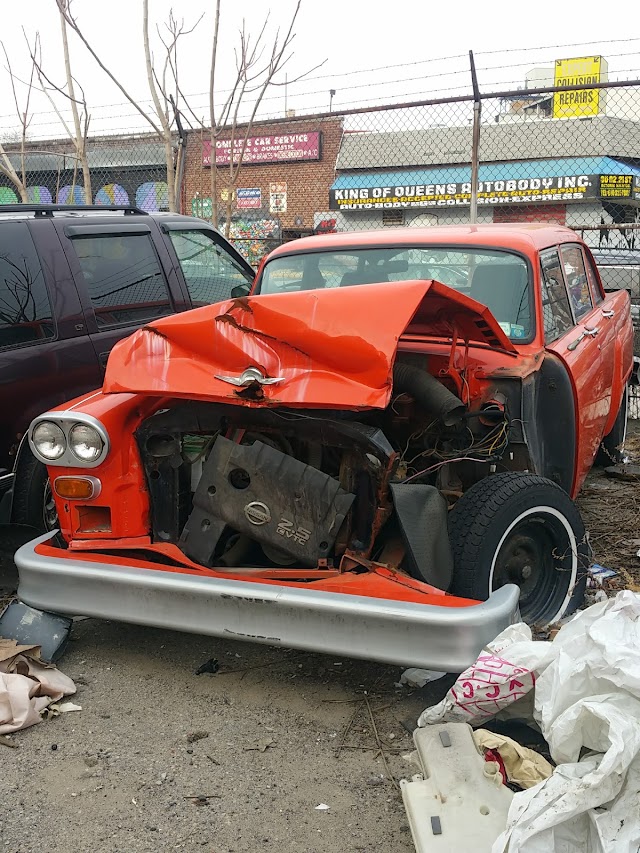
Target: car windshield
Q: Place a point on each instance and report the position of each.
(500, 280)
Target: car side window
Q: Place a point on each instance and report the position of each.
(555, 302)
(25, 310)
(593, 282)
(209, 271)
(124, 278)
(576, 278)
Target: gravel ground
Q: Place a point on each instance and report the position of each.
(259, 740)
(264, 741)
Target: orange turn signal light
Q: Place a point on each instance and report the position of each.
(77, 488)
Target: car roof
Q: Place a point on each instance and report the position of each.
(522, 237)
(101, 213)
(616, 257)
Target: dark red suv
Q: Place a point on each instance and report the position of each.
(74, 281)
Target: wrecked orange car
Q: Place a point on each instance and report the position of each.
(373, 453)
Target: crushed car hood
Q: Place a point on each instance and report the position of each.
(329, 348)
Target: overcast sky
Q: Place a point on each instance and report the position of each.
(375, 53)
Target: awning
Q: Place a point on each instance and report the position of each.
(516, 182)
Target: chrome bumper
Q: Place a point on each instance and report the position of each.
(443, 638)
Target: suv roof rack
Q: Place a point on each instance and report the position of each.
(50, 209)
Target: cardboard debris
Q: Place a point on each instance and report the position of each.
(27, 686)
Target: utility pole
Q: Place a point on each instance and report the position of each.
(475, 141)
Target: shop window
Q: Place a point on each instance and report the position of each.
(392, 217)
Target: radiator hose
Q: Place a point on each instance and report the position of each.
(429, 393)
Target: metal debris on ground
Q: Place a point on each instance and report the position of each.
(212, 666)
(414, 677)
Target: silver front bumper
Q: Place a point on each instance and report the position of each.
(443, 638)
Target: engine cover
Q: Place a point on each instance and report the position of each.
(267, 495)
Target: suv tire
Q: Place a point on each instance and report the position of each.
(32, 498)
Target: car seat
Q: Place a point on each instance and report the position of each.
(365, 276)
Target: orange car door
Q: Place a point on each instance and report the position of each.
(579, 348)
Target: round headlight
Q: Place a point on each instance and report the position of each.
(49, 440)
(85, 442)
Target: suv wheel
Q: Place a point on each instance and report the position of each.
(523, 529)
(33, 502)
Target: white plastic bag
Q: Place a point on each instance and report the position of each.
(586, 701)
(501, 676)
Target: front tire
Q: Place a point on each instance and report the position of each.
(523, 529)
(33, 503)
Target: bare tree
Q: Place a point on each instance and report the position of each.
(162, 117)
(18, 179)
(79, 109)
(254, 77)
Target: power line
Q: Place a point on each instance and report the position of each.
(149, 101)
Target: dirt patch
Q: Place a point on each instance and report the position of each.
(611, 512)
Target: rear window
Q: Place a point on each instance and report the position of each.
(124, 278)
(499, 280)
(25, 309)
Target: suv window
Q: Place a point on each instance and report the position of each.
(124, 279)
(555, 302)
(210, 271)
(576, 278)
(25, 309)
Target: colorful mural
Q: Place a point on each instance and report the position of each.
(7, 196)
(112, 194)
(39, 195)
(254, 238)
(71, 195)
(153, 195)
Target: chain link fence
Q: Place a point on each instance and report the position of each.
(121, 171)
(566, 154)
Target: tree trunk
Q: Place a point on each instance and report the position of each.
(214, 184)
(171, 178)
(86, 174)
(229, 202)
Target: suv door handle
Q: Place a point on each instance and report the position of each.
(608, 313)
(103, 358)
(575, 343)
(591, 332)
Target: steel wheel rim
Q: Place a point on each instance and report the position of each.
(538, 552)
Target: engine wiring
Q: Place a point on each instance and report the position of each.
(488, 449)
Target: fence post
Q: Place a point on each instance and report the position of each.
(475, 141)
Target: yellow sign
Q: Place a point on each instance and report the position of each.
(577, 72)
